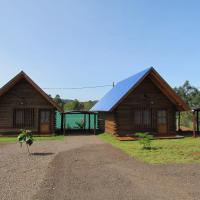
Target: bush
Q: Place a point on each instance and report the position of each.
(145, 140)
(26, 136)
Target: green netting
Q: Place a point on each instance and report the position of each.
(71, 120)
(58, 120)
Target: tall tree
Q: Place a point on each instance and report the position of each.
(58, 100)
(189, 93)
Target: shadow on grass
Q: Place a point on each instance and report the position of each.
(41, 154)
(156, 148)
(152, 148)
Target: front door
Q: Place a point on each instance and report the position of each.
(162, 121)
(45, 121)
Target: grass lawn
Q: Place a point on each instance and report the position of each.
(37, 138)
(185, 150)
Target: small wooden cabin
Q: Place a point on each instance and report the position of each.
(141, 103)
(24, 105)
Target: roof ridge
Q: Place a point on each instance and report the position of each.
(117, 93)
(140, 72)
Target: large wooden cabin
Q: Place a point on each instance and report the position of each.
(141, 103)
(24, 105)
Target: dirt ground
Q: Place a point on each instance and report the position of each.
(21, 175)
(83, 167)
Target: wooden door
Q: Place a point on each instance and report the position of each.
(45, 121)
(162, 121)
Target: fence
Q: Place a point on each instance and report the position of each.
(72, 120)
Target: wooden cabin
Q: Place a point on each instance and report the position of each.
(141, 103)
(24, 105)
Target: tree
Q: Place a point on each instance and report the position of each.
(88, 105)
(190, 95)
(58, 100)
(74, 105)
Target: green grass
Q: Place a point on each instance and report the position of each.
(170, 151)
(36, 138)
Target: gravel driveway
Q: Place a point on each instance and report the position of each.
(21, 175)
(85, 168)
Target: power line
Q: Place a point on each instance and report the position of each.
(79, 88)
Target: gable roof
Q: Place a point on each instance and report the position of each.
(117, 94)
(22, 75)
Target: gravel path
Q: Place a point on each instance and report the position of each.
(21, 175)
(103, 172)
(85, 168)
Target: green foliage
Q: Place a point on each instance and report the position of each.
(187, 119)
(77, 105)
(73, 105)
(69, 106)
(25, 136)
(80, 124)
(58, 100)
(189, 93)
(88, 105)
(145, 140)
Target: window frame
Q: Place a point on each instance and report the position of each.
(143, 118)
(162, 117)
(25, 118)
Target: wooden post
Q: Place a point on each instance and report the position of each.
(61, 122)
(179, 121)
(89, 123)
(197, 121)
(84, 122)
(64, 122)
(194, 125)
(95, 124)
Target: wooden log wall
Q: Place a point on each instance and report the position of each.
(21, 96)
(147, 97)
(110, 123)
(101, 121)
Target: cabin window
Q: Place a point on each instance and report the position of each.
(146, 117)
(23, 118)
(138, 117)
(142, 118)
(45, 116)
(162, 117)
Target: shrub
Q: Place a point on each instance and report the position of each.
(25, 136)
(145, 140)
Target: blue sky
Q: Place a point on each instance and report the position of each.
(75, 43)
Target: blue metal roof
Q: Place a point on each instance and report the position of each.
(119, 91)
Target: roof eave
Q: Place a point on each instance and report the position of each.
(19, 77)
(180, 103)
